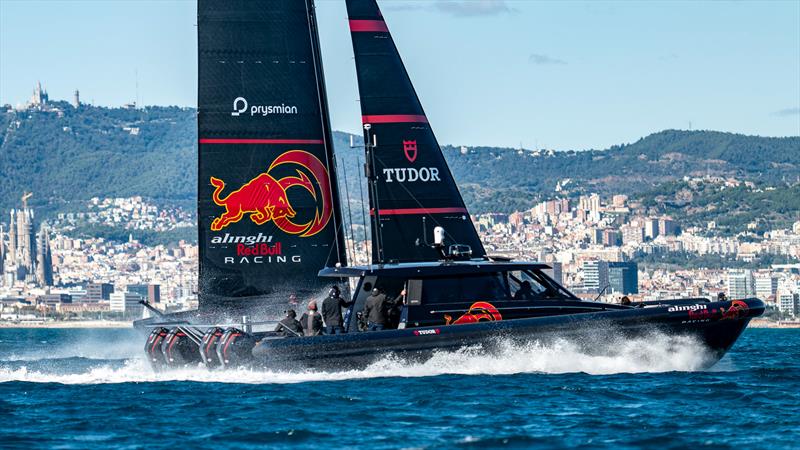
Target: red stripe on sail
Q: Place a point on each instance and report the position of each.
(394, 118)
(260, 141)
(359, 26)
(413, 211)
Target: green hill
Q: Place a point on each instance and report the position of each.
(71, 155)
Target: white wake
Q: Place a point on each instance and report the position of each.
(653, 353)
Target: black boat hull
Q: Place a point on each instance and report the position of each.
(715, 325)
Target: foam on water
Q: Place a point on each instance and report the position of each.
(652, 353)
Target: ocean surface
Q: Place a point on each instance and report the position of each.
(88, 389)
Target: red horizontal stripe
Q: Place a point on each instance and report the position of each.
(394, 118)
(260, 141)
(413, 211)
(358, 26)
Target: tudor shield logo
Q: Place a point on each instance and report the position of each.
(410, 149)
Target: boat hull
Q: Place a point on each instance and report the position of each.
(715, 325)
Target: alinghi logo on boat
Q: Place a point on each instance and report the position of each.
(240, 106)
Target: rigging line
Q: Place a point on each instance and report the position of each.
(313, 35)
(373, 187)
(349, 213)
(363, 211)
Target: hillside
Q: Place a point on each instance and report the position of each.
(630, 169)
(75, 154)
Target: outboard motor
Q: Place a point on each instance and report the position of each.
(208, 347)
(235, 348)
(180, 349)
(153, 348)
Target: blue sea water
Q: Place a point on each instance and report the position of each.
(89, 389)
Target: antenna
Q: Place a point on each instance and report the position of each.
(370, 142)
(349, 214)
(363, 209)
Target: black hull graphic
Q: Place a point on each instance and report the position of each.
(597, 329)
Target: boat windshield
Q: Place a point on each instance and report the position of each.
(530, 285)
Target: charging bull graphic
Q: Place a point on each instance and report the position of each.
(264, 197)
(478, 312)
(738, 308)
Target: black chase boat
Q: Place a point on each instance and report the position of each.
(424, 244)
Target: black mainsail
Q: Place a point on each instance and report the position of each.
(268, 205)
(412, 190)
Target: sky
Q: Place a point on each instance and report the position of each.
(538, 74)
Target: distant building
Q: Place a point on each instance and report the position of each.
(2, 251)
(623, 277)
(149, 292)
(126, 302)
(56, 299)
(556, 272)
(632, 234)
(76, 99)
(651, 228)
(740, 284)
(21, 257)
(611, 238)
(44, 258)
(595, 275)
(766, 286)
(789, 303)
(98, 292)
(596, 236)
(667, 227)
(39, 97)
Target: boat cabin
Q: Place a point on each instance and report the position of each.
(459, 292)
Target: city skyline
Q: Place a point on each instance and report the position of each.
(723, 66)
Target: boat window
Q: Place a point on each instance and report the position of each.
(526, 287)
(490, 286)
(541, 285)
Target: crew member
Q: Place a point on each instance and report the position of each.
(376, 309)
(289, 326)
(525, 292)
(332, 311)
(311, 320)
(625, 300)
(721, 297)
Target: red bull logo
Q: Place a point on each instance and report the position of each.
(478, 312)
(265, 198)
(738, 309)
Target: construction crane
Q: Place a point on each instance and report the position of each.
(25, 197)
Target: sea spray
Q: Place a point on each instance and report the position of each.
(655, 352)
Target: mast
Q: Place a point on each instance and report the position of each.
(412, 190)
(269, 213)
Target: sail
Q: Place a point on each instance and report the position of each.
(268, 205)
(412, 189)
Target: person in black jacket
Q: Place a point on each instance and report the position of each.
(377, 307)
(289, 326)
(332, 311)
(311, 320)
